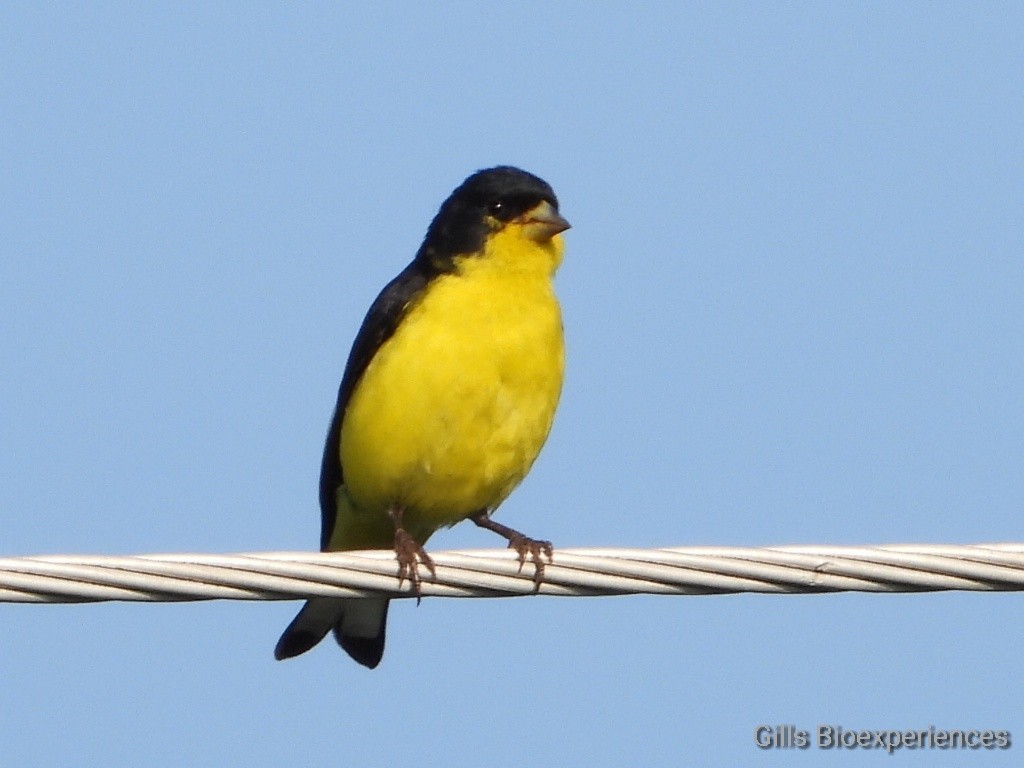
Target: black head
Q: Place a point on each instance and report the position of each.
(486, 199)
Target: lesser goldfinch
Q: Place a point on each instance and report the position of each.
(447, 397)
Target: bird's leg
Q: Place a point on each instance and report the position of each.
(410, 554)
(523, 545)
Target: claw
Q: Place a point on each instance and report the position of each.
(410, 554)
(536, 550)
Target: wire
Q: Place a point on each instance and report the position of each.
(497, 573)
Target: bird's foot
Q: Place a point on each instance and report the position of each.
(410, 554)
(535, 549)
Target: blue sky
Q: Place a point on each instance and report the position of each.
(793, 307)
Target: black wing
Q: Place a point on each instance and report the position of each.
(380, 323)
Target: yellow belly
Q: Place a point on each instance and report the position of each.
(453, 409)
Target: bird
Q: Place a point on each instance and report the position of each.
(447, 397)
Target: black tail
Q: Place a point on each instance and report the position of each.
(358, 624)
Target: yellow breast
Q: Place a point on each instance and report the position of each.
(452, 411)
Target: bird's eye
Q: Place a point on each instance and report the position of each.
(495, 207)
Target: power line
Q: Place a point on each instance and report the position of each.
(496, 573)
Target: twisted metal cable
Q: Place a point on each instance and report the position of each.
(497, 573)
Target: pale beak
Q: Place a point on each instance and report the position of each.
(542, 222)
